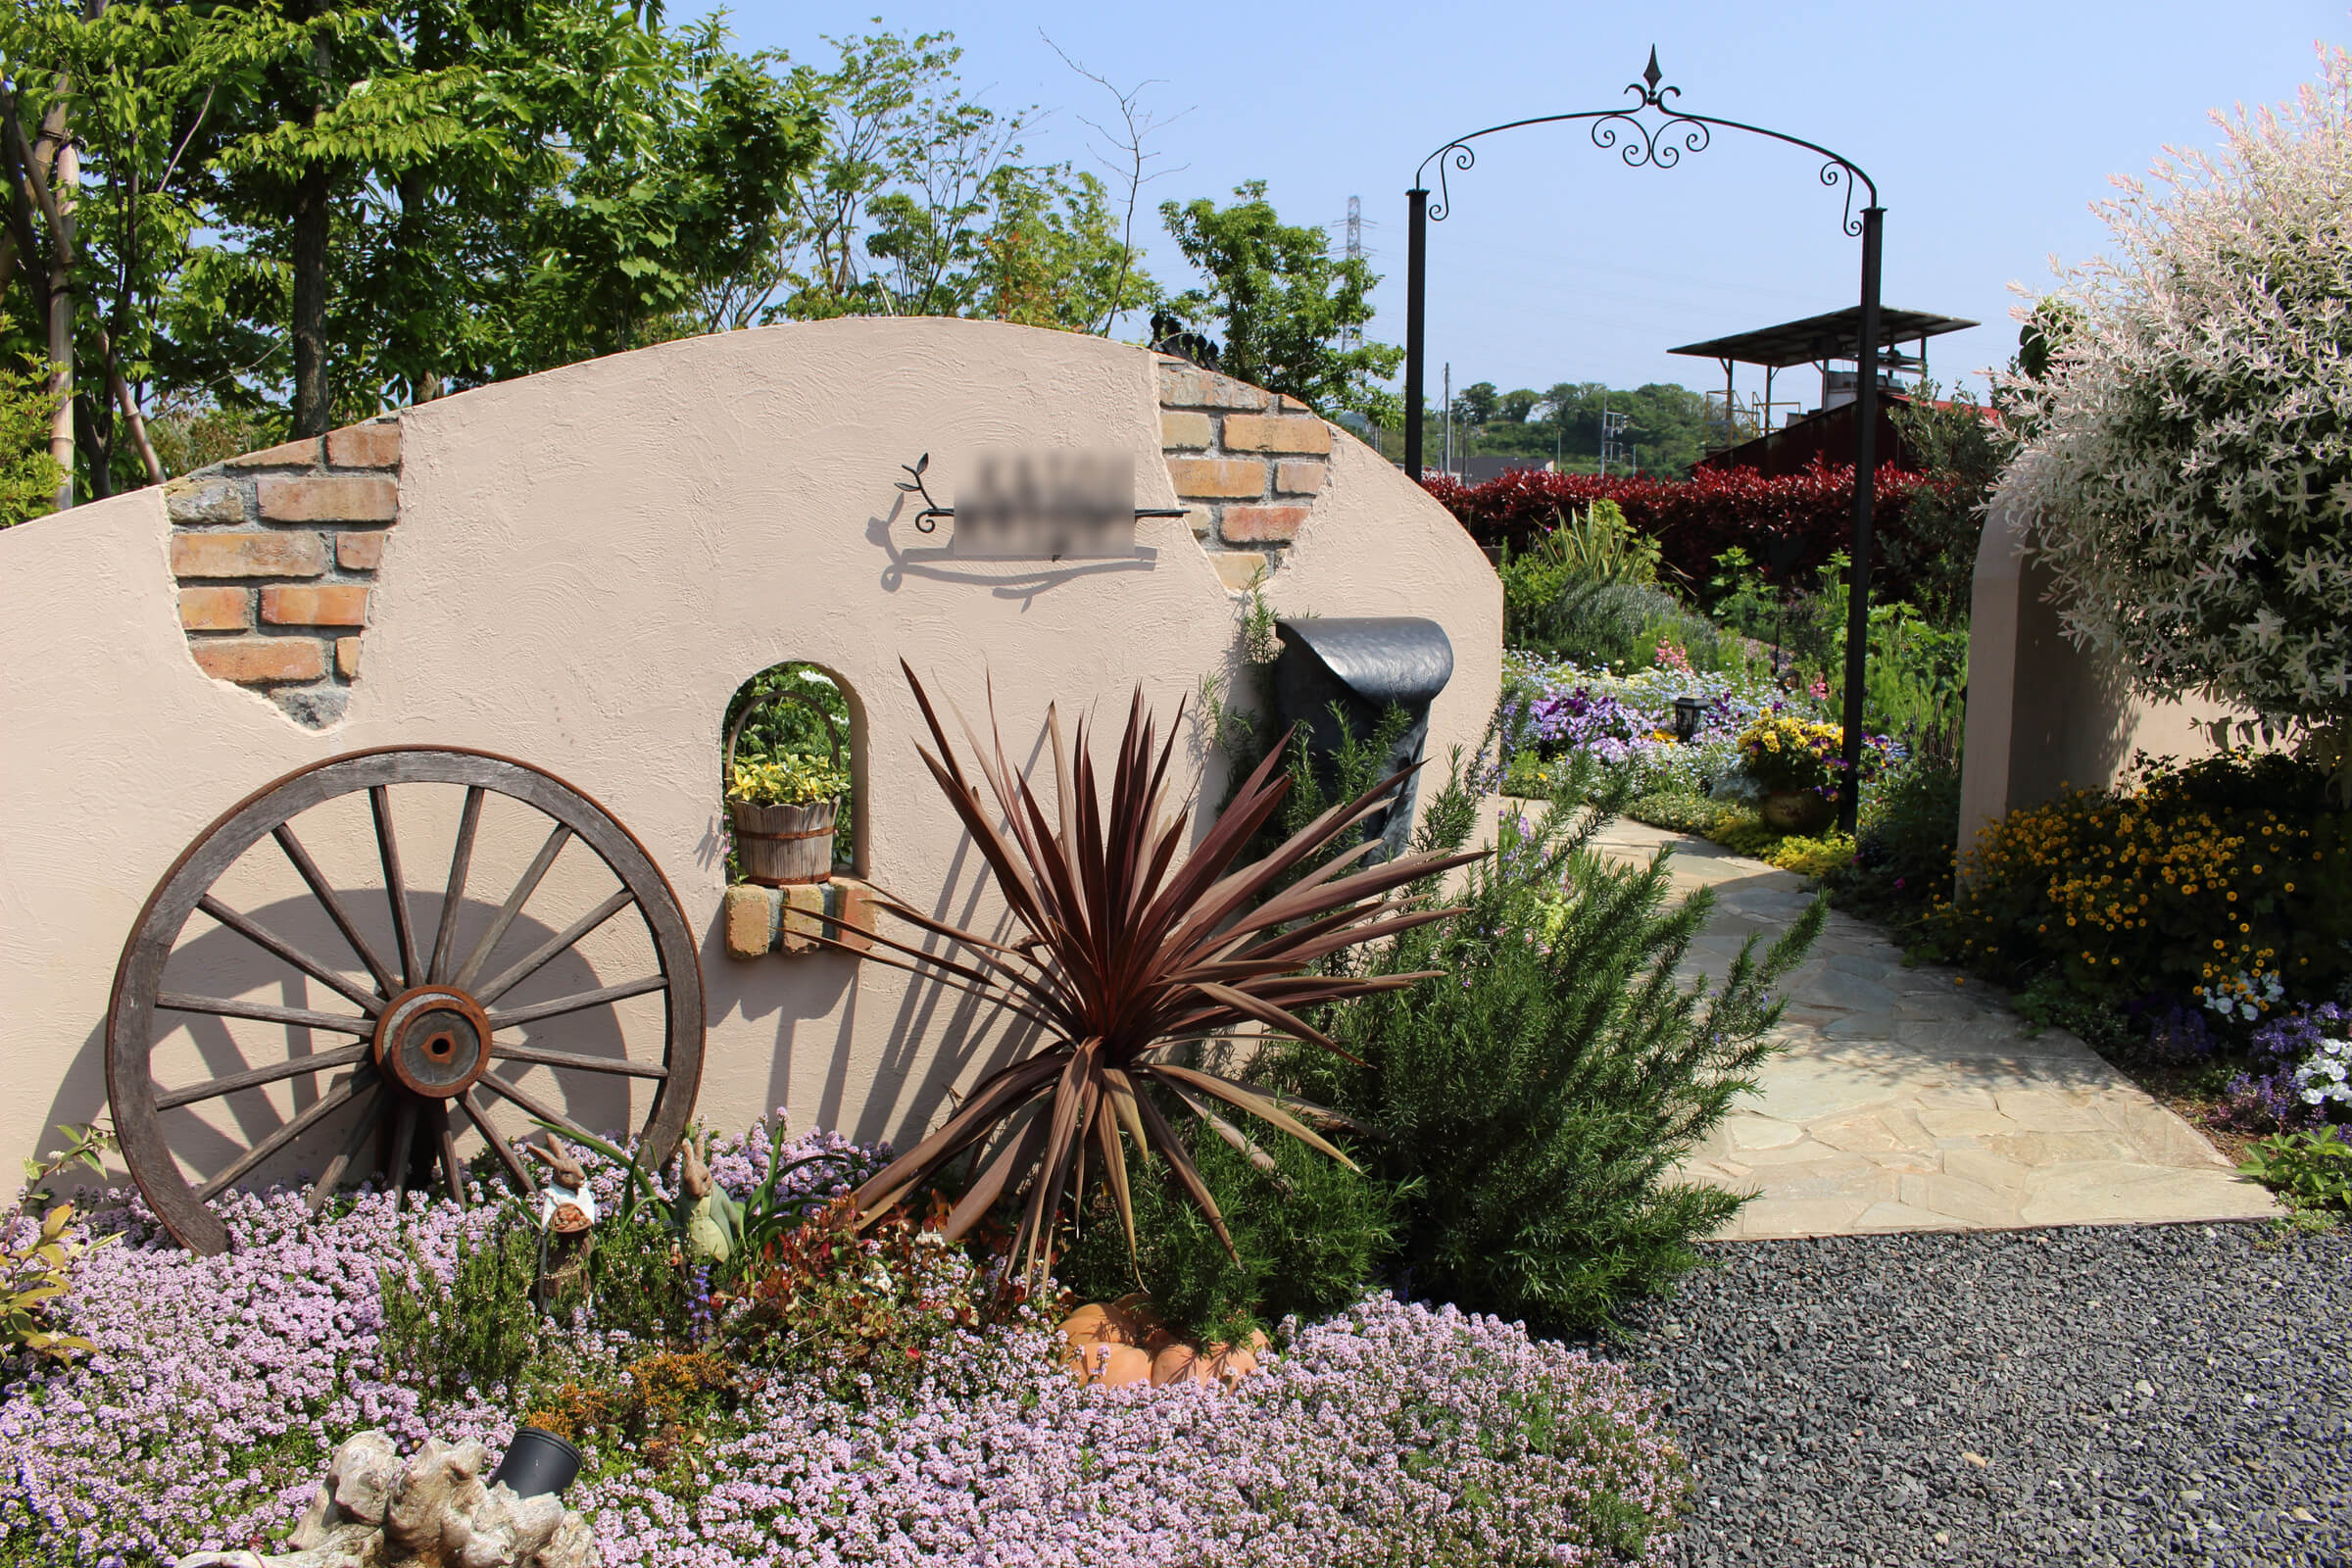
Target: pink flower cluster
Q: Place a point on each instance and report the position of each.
(1393, 1433)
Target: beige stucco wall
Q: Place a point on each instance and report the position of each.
(586, 565)
(2043, 714)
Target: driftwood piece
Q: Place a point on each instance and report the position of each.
(374, 1510)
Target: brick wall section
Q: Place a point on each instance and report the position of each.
(1247, 465)
(276, 552)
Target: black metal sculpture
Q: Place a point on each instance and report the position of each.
(1660, 143)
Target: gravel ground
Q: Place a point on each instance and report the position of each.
(2126, 1395)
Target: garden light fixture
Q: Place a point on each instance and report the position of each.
(1688, 712)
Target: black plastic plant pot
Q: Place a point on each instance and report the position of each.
(537, 1463)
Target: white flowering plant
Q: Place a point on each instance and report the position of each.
(2186, 466)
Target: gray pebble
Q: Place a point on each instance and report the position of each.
(2143, 1395)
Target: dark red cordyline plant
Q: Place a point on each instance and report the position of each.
(1130, 953)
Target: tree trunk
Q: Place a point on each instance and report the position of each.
(314, 216)
(62, 186)
(311, 215)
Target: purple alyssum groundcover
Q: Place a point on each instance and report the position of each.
(1393, 1434)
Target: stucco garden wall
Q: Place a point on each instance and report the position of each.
(578, 569)
(2043, 714)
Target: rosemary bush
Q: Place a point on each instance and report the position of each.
(1531, 1103)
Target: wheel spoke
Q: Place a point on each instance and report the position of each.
(396, 887)
(279, 1139)
(460, 861)
(404, 1137)
(254, 1077)
(264, 1012)
(490, 990)
(324, 893)
(452, 1174)
(515, 1163)
(508, 910)
(566, 1059)
(532, 1104)
(577, 1002)
(368, 1001)
(363, 1127)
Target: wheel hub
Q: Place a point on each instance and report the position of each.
(433, 1041)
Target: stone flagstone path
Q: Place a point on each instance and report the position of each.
(1905, 1102)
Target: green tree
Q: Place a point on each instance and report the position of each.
(1962, 451)
(299, 213)
(921, 205)
(1288, 310)
(29, 474)
(1475, 403)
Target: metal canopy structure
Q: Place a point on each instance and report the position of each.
(1835, 335)
(1818, 340)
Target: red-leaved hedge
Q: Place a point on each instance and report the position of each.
(1696, 519)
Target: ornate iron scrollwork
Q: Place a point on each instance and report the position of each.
(1643, 144)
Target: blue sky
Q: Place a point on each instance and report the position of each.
(1990, 127)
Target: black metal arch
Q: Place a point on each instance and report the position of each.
(1661, 144)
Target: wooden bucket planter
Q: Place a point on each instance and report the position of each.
(781, 845)
(1798, 810)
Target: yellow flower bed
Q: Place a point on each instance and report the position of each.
(2161, 889)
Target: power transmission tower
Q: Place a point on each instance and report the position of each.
(1612, 426)
(1352, 336)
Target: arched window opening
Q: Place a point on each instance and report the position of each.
(792, 731)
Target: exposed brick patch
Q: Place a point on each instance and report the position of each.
(1178, 432)
(303, 453)
(216, 609)
(247, 554)
(1299, 477)
(1262, 525)
(1181, 386)
(328, 497)
(260, 660)
(359, 551)
(276, 566)
(332, 604)
(1258, 432)
(214, 498)
(365, 446)
(1245, 463)
(1218, 478)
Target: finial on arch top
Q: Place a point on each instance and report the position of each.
(1652, 74)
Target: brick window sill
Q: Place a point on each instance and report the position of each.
(761, 921)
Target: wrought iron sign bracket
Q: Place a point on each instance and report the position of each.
(926, 521)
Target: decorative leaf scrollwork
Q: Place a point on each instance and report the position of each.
(1645, 144)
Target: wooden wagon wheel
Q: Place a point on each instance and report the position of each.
(428, 1027)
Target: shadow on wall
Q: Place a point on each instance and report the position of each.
(2074, 718)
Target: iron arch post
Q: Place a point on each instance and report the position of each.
(1416, 321)
(1866, 489)
(1661, 144)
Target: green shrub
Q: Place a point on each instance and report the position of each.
(1681, 813)
(29, 474)
(1538, 1093)
(863, 1311)
(479, 1330)
(1309, 1236)
(1907, 838)
(2310, 1169)
(1596, 623)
